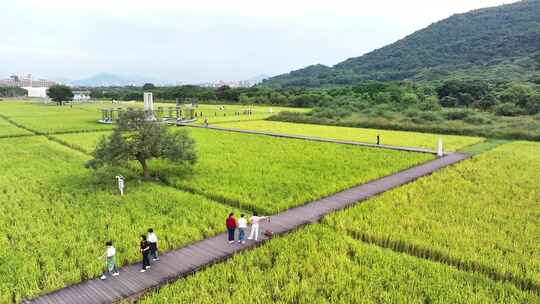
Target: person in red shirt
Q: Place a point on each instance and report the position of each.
(231, 227)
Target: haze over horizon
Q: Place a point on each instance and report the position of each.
(205, 40)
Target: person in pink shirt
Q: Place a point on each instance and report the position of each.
(255, 220)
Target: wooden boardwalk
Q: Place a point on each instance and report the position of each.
(313, 138)
(187, 260)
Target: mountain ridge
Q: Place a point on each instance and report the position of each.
(495, 39)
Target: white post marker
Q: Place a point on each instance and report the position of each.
(440, 152)
(149, 106)
(120, 179)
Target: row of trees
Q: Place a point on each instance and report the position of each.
(503, 99)
(500, 98)
(12, 92)
(253, 95)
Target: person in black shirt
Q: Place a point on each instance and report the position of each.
(145, 250)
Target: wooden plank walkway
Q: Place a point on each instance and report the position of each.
(187, 260)
(313, 138)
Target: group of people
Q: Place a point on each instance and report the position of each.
(148, 249)
(241, 224)
(149, 242)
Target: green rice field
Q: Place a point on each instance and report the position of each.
(469, 233)
(387, 137)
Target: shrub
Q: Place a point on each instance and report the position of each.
(507, 109)
(477, 120)
(430, 116)
(430, 104)
(458, 114)
(449, 102)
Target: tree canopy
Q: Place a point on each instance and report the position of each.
(135, 139)
(60, 93)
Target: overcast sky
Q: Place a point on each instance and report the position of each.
(202, 40)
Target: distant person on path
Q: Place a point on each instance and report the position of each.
(152, 239)
(242, 226)
(231, 227)
(378, 139)
(145, 250)
(255, 220)
(110, 263)
(206, 121)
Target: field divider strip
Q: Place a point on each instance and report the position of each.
(440, 257)
(281, 224)
(313, 138)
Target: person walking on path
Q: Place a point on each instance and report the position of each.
(145, 250)
(110, 263)
(152, 239)
(231, 227)
(255, 220)
(206, 122)
(242, 226)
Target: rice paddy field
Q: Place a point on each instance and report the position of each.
(469, 233)
(284, 178)
(387, 137)
(319, 265)
(483, 214)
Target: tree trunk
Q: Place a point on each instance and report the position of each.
(146, 172)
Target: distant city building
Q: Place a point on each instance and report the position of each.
(26, 81)
(232, 84)
(36, 92)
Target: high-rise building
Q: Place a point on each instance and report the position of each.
(26, 81)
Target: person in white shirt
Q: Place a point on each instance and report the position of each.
(255, 220)
(110, 263)
(152, 239)
(242, 226)
(120, 179)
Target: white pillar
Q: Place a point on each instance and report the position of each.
(149, 106)
(440, 152)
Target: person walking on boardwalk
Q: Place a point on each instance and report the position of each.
(231, 227)
(152, 239)
(110, 263)
(255, 220)
(242, 226)
(145, 250)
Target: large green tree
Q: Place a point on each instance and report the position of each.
(60, 93)
(134, 138)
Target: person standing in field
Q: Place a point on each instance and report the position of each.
(110, 263)
(231, 227)
(120, 179)
(242, 226)
(152, 239)
(255, 220)
(145, 250)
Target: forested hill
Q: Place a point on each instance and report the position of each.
(498, 43)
